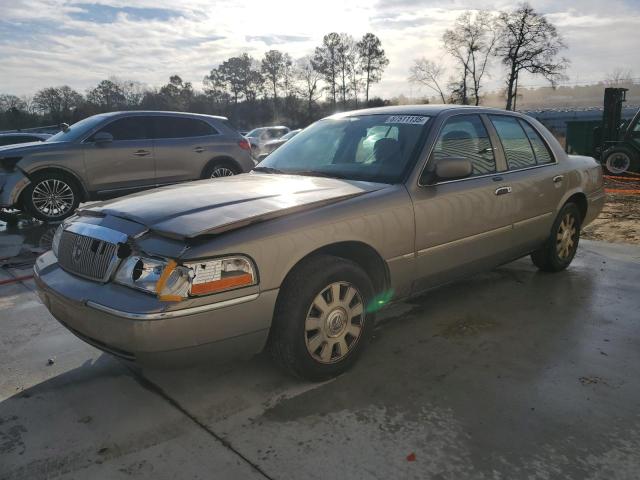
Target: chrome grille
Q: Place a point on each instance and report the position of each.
(88, 257)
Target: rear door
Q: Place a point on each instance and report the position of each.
(462, 225)
(534, 177)
(182, 147)
(127, 162)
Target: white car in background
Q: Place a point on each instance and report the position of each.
(258, 137)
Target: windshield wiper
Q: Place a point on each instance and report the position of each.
(267, 170)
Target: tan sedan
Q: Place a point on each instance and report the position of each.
(358, 210)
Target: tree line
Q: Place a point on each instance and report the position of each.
(249, 91)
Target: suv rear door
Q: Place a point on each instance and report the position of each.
(535, 179)
(182, 147)
(127, 162)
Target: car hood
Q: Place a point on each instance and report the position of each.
(222, 204)
(29, 147)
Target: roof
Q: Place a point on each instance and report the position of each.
(162, 112)
(429, 109)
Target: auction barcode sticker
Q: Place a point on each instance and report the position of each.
(410, 119)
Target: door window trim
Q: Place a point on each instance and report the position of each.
(86, 141)
(216, 131)
(544, 141)
(498, 155)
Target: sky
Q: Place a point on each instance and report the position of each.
(78, 43)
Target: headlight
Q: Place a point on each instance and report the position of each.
(221, 274)
(172, 282)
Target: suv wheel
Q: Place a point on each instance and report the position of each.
(321, 323)
(51, 196)
(561, 247)
(221, 169)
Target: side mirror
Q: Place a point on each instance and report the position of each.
(102, 138)
(450, 168)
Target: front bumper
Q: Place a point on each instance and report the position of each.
(138, 327)
(11, 186)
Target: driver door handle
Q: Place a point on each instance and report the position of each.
(503, 190)
(142, 153)
(198, 149)
(558, 178)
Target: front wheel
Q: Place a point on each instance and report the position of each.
(51, 196)
(562, 244)
(321, 323)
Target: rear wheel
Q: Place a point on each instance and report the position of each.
(559, 250)
(51, 196)
(223, 168)
(321, 323)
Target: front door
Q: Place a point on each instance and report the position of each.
(126, 163)
(462, 225)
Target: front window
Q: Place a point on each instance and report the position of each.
(78, 129)
(377, 148)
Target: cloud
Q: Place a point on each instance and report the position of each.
(80, 42)
(277, 39)
(97, 13)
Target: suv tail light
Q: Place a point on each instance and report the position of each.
(244, 144)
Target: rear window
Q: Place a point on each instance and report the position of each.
(515, 142)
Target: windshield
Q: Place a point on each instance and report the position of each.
(377, 148)
(77, 130)
(290, 135)
(255, 132)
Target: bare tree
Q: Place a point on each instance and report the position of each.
(272, 67)
(428, 73)
(528, 42)
(619, 76)
(309, 79)
(346, 61)
(58, 102)
(471, 42)
(325, 61)
(373, 60)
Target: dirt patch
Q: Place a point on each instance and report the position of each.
(619, 221)
(468, 326)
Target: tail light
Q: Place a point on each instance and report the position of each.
(244, 144)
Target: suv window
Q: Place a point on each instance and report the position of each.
(465, 136)
(515, 143)
(181, 127)
(129, 128)
(540, 149)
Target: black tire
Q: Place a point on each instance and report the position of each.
(65, 196)
(226, 167)
(553, 257)
(619, 161)
(289, 335)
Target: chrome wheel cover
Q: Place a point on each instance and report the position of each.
(52, 197)
(222, 172)
(566, 238)
(618, 162)
(334, 322)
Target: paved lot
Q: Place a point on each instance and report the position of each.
(510, 374)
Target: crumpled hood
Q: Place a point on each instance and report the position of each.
(222, 204)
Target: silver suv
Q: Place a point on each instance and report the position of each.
(117, 153)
